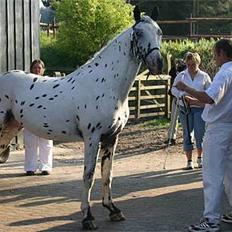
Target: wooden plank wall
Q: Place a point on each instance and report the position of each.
(19, 34)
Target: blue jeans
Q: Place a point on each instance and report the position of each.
(192, 122)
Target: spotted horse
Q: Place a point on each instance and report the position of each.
(91, 103)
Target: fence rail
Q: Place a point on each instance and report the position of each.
(149, 98)
(192, 21)
(50, 28)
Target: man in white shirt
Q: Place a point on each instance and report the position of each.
(217, 144)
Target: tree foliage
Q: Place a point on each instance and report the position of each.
(87, 25)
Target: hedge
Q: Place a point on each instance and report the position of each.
(178, 49)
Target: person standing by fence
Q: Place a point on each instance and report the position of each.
(217, 144)
(36, 146)
(190, 108)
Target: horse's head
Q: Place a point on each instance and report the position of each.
(146, 39)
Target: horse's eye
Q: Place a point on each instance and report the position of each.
(139, 33)
(159, 32)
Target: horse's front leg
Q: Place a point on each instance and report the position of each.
(107, 154)
(90, 159)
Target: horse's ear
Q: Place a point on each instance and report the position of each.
(155, 13)
(137, 13)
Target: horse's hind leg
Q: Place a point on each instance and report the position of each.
(107, 154)
(9, 128)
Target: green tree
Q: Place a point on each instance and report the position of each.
(87, 25)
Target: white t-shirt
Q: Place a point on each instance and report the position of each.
(200, 82)
(221, 92)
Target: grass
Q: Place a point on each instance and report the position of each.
(157, 123)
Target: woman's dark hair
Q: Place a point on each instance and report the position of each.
(37, 61)
(225, 45)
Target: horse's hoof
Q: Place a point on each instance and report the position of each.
(89, 225)
(5, 155)
(117, 216)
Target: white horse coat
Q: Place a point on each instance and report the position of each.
(90, 103)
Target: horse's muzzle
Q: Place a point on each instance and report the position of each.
(159, 65)
(156, 67)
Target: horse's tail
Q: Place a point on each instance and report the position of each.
(5, 155)
(9, 129)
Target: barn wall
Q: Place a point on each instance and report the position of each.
(19, 34)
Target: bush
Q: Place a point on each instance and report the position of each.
(87, 25)
(204, 47)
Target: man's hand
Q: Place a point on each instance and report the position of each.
(201, 96)
(193, 101)
(180, 86)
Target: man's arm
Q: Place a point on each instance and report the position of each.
(202, 96)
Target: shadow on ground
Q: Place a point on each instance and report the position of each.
(170, 211)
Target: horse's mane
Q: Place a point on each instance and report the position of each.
(144, 18)
(108, 44)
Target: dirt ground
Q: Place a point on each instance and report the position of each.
(138, 138)
(152, 198)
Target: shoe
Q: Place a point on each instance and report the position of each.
(189, 165)
(30, 173)
(205, 226)
(170, 142)
(199, 162)
(45, 173)
(227, 218)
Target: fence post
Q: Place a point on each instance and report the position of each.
(168, 99)
(191, 26)
(138, 99)
(54, 29)
(169, 62)
(48, 30)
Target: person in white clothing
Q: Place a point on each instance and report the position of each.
(190, 109)
(37, 147)
(217, 143)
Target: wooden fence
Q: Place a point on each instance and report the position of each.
(149, 97)
(193, 23)
(19, 34)
(51, 29)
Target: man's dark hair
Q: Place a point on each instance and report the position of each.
(180, 65)
(225, 45)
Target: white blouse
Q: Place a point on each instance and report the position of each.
(200, 82)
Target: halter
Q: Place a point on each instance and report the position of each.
(135, 50)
